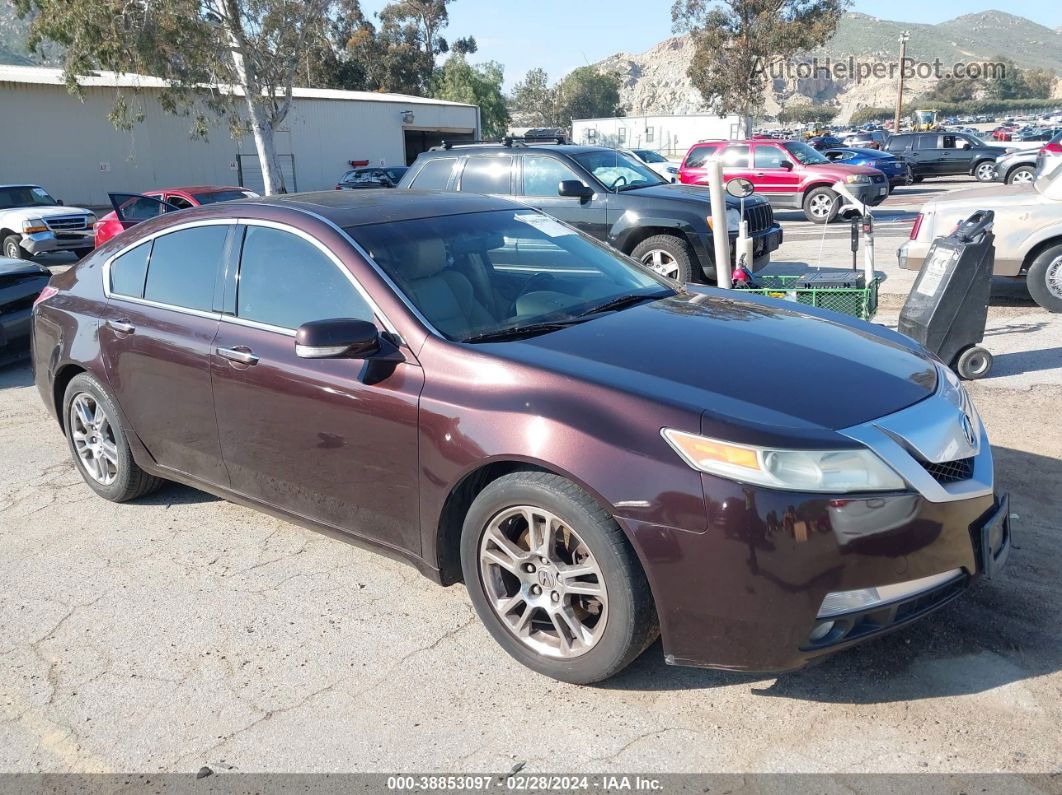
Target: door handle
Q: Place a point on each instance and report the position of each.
(121, 326)
(237, 355)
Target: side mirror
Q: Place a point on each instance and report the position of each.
(788, 166)
(339, 338)
(60, 202)
(740, 188)
(575, 189)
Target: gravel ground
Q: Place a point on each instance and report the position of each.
(182, 631)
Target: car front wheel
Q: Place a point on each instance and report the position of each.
(1045, 279)
(1022, 175)
(985, 172)
(12, 248)
(554, 579)
(98, 443)
(668, 255)
(821, 205)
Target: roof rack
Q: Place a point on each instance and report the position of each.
(507, 141)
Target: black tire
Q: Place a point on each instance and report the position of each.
(13, 249)
(131, 481)
(973, 362)
(81, 253)
(1022, 174)
(814, 199)
(631, 624)
(682, 256)
(916, 180)
(1044, 279)
(984, 171)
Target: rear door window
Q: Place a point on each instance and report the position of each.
(286, 281)
(184, 266)
(736, 156)
(128, 271)
(491, 174)
(435, 174)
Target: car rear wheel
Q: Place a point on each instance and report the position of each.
(821, 205)
(985, 171)
(1045, 279)
(668, 255)
(554, 579)
(12, 248)
(1022, 175)
(98, 443)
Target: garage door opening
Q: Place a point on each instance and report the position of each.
(418, 141)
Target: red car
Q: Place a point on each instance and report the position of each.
(1004, 133)
(789, 174)
(132, 208)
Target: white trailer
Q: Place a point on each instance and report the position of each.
(671, 136)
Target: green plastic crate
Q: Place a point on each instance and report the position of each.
(861, 302)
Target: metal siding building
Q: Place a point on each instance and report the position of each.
(671, 136)
(66, 144)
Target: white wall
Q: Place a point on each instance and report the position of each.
(672, 136)
(53, 139)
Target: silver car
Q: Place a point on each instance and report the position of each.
(1028, 228)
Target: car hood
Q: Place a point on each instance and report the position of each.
(18, 267)
(752, 365)
(23, 213)
(989, 198)
(836, 171)
(690, 193)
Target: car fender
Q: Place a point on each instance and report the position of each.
(1041, 238)
(628, 229)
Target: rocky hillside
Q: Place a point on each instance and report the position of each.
(13, 41)
(655, 81)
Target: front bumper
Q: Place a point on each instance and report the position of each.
(44, 242)
(745, 594)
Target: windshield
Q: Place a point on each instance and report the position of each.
(804, 153)
(617, 171)
(484, 273)
(650, 156)
(25, 196)
(223, 196)
(395, 173)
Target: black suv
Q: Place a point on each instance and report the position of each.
(606, 194)
(937, 154)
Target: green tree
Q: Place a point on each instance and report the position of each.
(535, 100)
(868, 114)
(480, 84)
(1040, 83)
(586, 93)
(736, 42)
(1010, 84)
(225, 56)
(808, 114)
(952, 90)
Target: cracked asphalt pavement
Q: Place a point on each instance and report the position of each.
(182, 631)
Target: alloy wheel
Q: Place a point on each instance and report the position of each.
(985, 171)
(1022, 177)
(661, 262)
(1053, 277)
(93, 436)
(542, 580)
(11, 249)
(821, 205)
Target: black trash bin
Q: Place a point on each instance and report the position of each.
(948, 305)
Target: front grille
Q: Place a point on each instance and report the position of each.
(760, 218)
(67, 222)
(950, 471)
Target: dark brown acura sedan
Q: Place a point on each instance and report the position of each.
(599, 454)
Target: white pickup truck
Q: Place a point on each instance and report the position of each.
(32, 222)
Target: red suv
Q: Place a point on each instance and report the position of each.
(789, 174)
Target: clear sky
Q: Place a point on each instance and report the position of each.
(559, 35)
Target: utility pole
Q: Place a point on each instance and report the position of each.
(899, 93)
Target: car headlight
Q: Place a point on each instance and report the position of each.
(858, 179)
(90, 219)
(733, 220)
(832, 471)
(33, 225)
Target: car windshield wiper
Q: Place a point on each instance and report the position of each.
(622, 302)
(530, 330)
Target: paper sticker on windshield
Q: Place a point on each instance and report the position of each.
(544, 224)
(935, 268)
(40, 193)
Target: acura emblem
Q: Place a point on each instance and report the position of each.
(967, 430)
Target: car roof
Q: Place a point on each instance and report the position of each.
(199, 188)
(565, 149)
(356, 208)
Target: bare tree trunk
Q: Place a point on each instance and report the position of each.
(265, 145)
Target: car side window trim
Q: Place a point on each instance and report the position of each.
(329, 254)
(106, 271)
